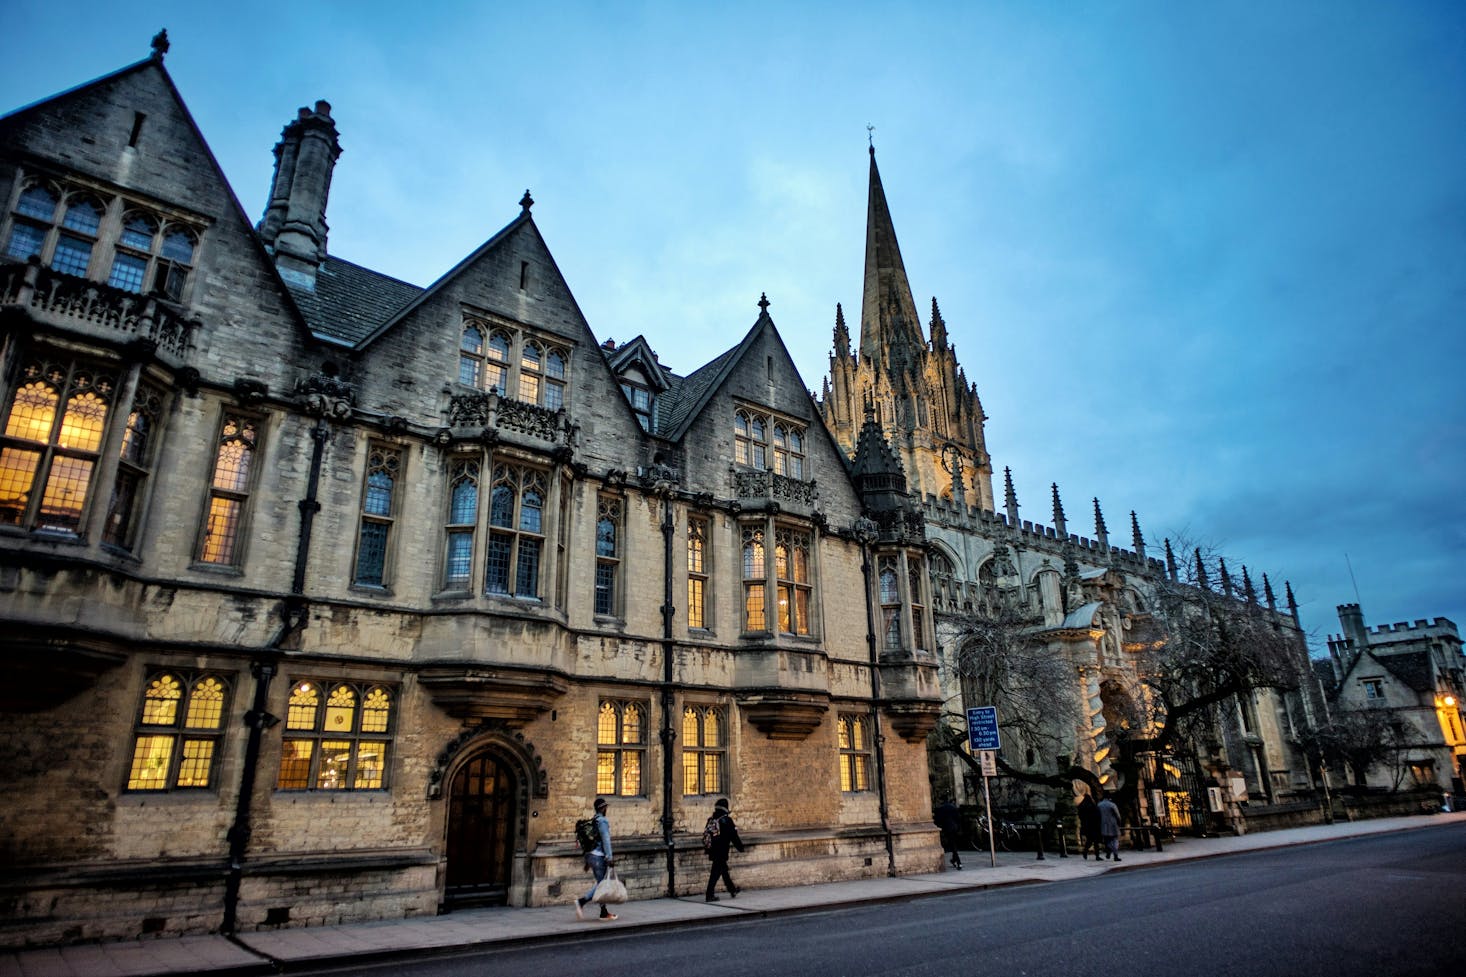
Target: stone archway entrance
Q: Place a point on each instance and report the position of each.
(483, 818)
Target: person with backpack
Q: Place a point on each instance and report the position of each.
(718, 836)
(594, 836)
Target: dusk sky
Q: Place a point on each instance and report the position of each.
(1205, 261)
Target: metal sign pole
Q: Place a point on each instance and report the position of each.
(987, 802)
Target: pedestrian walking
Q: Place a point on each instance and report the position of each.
(597, 860)
(1109, 816)
(946, 817)
(1089, 827)
(718, 835)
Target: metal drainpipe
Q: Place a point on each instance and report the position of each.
(293, 614)
(875, 708)
(669, 729)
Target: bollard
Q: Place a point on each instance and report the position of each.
(1039, 830)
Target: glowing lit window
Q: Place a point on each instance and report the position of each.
(854, 733)
(704, 751)
(56, 418)
(337, 737)
(222, 536)
(697, 572)
(620, 748)
(179, 732)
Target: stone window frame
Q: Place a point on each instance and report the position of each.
(792, 581)
(346, 728)
(131, 488)
(642, 400)
(621, 747)
(1374, 689)
(888, 595)
(377, 515)
(761, 435)
(50, 449)
(699, 571)
(222, 539)
(179, 726)
(500, 356)
(514, 557)
(162, 266)
(853, 737)
(610, 547)
(704, 749)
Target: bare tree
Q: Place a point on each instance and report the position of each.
(1210, 641)
(1003, 660)
(1360, 739)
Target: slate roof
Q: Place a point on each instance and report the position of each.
(687, 393)
(350, 302)
(1412, 668)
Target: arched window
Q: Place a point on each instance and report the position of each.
(223, 530)
(890, 594)
(608, 553)
(462, 517)
(755, 581)
(854, 733)
(73, 252)
(620, 748)
(516, 531)
(337, 737)
(49, 452)
(35, 213)
(496, 363)
(178, 732)
(471, 356)
(704, 752)
(378, 512)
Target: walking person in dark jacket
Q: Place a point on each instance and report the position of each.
(949, 819)
(1089, 827)
(720, 835)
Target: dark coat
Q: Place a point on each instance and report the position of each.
(727, 837)
(1089, 819)
(949, 819)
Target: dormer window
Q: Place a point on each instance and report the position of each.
(757, 436)
(151, 254)
(501, 360)
(641, 400)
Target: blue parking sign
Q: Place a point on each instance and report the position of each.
(982, 728)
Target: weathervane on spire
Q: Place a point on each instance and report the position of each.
(870, 134)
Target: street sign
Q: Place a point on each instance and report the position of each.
(982, 728)
(988, 760)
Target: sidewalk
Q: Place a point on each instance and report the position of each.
(289, 950)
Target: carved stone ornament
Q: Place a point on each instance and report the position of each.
(326, 396)
(508, 741)
(784, 716)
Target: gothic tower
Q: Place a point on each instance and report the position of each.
(919, 392)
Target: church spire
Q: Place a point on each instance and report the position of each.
(1137, 538)
(887, 310)
(1010, 498)
(1059, 525)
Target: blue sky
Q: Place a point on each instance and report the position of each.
(1203, 261)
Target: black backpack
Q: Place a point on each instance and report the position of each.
(587, 835)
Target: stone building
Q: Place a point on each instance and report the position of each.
(331, 597)
(1415, 674)
(1086, 601)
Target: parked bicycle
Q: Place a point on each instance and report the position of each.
(1006, 838)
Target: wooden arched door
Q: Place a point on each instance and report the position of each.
(482, 814)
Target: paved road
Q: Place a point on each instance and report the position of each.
(1364, 907)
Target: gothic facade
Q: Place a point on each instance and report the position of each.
(331, 597)
(1086, 601)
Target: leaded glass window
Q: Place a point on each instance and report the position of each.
(55, 422)
(608, 553)
(337, 736)
(179, 731)
(704, 750)
(222, 538)
(620, 748)
(854, 734)
(378, 511)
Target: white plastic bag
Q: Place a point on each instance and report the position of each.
(610, 889)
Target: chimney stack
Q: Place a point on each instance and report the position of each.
(294, 226)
